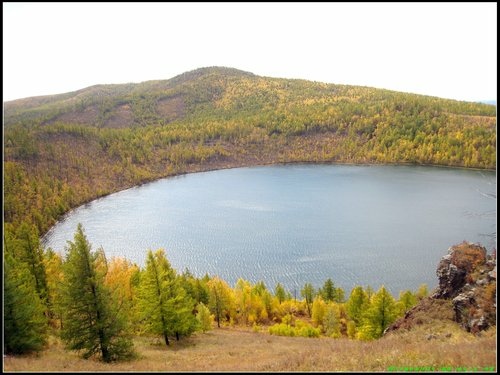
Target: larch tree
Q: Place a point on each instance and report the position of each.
(339, 295)
(308, 293)
(280, 293)
(196, 288)
(184, 318)
(120, 278)
(262, 295)
(93, 321)
(406, 301)
(318, 311)
(166, 308)
(53, 268)
(243, 300)
(422, 292)
(382, 312)
(221, 299)
(152, 301)
(25, 325)
(357, 304)
(331, 321)
(204, 317)
(27, 249)
(328, 291)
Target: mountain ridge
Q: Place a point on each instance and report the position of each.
(221, 69)
(180, 78)
(108, 97)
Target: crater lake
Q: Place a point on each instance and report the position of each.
(296, 223)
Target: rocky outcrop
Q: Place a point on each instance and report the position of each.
(467, 276)
(451, 278)
(467, 285)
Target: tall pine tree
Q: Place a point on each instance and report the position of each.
(93, 322)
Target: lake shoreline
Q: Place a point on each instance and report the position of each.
(245, 163)
(271, 163)
(293, 217)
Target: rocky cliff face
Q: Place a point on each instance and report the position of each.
(467, 278)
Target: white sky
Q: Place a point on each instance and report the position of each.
(445, 49)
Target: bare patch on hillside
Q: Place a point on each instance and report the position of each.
(171, 108)
(474, 120)
(122, 117)
(87, 116)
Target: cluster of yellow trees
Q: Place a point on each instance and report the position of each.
(96, 304)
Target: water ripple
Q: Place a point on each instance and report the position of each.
(357, 225)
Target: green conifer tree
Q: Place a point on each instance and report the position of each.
(165, 306)
(328, 291)
(27, 248)
(382, 312)
(357, 304)
(280, 293)
(93, 322)
(25, 325)
(184, 321)
(195, 288)
(220, 299)
(204, 317)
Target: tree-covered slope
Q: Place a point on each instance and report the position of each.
(63, 150)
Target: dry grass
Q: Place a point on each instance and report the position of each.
(468, 256)
(232, 349)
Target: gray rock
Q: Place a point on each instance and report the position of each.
(451, 278)
(493, 273)
(479, 324)
(481, 282)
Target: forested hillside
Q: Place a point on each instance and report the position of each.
(63, 150)
(66, 149)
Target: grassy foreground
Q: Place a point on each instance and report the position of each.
(238, 349)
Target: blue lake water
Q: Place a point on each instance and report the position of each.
(358, 225)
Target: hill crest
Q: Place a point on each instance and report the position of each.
(123, 105)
